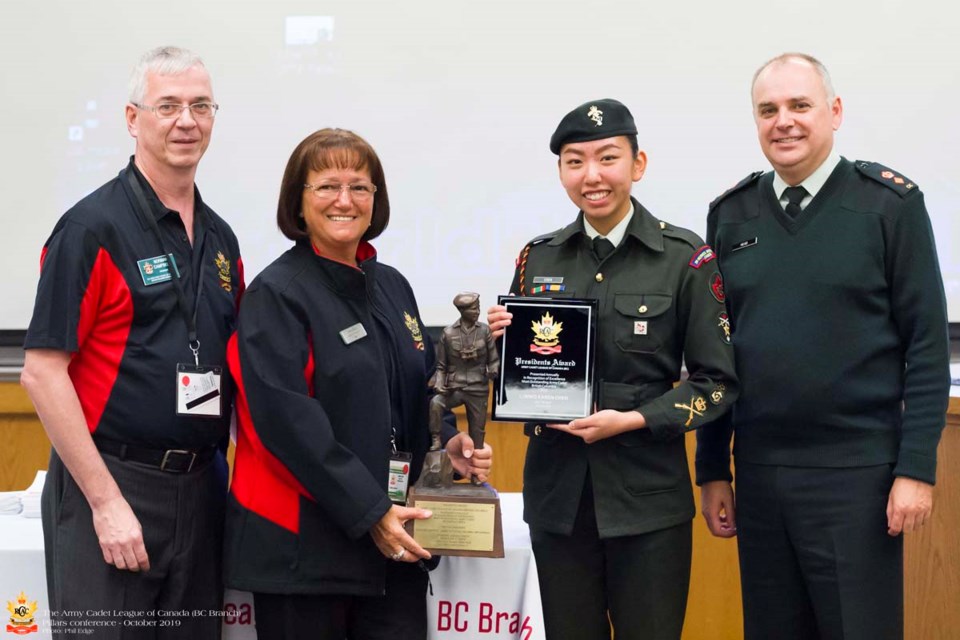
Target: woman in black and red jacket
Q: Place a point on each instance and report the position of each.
(331, 363)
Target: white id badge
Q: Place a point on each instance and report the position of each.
(399, 477)
(199, 391)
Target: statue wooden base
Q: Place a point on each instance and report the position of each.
(466, 517)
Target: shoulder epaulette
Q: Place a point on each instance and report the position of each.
(885, 176)
(538, 240)
(521, 263)
(546, 236)
(750, 179)
(681, 234)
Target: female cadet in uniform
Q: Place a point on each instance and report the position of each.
(608, 497)
(332, 365)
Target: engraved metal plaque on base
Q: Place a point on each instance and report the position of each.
(466, 517)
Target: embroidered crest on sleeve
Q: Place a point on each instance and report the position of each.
(697, 407)
(703, 255)
(716, 287)
(723, 322)
(223, 272)
(414, 328)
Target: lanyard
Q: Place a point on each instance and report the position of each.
(191, 320)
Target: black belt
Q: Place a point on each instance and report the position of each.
(169, 460)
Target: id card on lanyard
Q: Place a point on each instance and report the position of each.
(199, 387)
(398, 477)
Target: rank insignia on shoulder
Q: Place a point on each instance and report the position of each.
(885, 176)
(723, 321)
(716, 287)
(703, 255)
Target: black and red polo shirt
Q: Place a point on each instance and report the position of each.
(126, 337)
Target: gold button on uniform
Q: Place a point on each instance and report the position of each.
(599, 277)
(537, 430)
(643, 308)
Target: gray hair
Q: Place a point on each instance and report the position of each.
(802, 57)
(164, 61)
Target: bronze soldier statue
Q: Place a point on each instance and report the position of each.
(466, 360)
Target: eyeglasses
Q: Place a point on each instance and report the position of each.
(168, 110)
(358, 191)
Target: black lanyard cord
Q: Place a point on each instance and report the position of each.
(146, 213)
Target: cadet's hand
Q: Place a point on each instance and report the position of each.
(718, 505)
(498, 318)
(391, 538)
(120, 535)
(602, 424)
(468, 461)
(909, 505)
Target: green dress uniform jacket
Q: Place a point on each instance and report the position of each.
(660, 302)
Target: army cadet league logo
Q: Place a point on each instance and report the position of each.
(22, 615)
(595, 114)
(545, 332)
(223, 268)
(414, 328)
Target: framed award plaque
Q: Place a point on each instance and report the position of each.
(546, 360)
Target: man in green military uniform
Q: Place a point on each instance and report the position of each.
(839, 324)
(608, 497)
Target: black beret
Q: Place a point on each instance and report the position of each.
(593, 121)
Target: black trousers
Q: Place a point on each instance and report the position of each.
(401, 614)
(641, 581)
(816, 562)
(182, 520)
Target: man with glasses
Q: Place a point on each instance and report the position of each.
(125, 356)
(839, 327)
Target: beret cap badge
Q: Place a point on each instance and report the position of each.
(595, 114)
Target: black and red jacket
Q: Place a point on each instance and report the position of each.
(127, 337)
(315, 411)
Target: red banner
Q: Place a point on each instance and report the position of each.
(545, 350)
(21, 631)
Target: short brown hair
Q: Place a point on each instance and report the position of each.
(330, 149)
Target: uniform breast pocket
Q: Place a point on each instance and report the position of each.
(642, 321)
